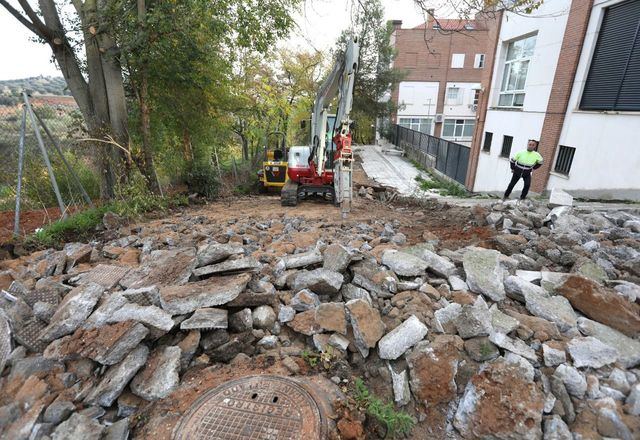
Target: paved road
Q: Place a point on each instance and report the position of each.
(392, 170)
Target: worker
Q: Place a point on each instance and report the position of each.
(522, 165)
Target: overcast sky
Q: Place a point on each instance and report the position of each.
(319, 23)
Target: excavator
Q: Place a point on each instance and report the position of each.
(324, 168)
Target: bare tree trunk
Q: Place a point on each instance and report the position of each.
(187, 148)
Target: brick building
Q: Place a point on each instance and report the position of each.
(567, 75)
(441, 90)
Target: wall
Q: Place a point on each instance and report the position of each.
(464, 110)
(548, 24)
(606, 163)
(417, 98)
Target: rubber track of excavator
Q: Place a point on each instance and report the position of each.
(289, 194)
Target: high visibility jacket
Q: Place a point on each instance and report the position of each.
(526, 160)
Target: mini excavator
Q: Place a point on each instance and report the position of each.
(324, 168)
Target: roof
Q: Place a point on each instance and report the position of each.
(451, 24)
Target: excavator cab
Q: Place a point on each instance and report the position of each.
(273, 173)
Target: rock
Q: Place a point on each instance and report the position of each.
(633, 401)
(336, 258)
(457, 283)
(509, 244)
(437, 264)
(263, 317)
(78, 427)
(556, 309)
(188, 347)
(446, 317)
(484, 272)
(399, 239)
(332, 317)
(296, 261)
(590, 352)
(144, 296)
(481, 349)
(524, 365)
(242, 321)
(559, 197)
(214, 339)
(305, 323)
(516, 288)
(572, 379)
(602, 305)
(286, 314)
(151, 315)
(72, 311)
(118, 431)
(513, 345)
(494, 218)
(611, 425)
(500, 393)
(216, 252)
(44, 311)
(395, 343)
(103, 312)
(111, 220)
(403, 264)
(474, 320)
(400, 383)
(58, 411)
(338, 341)
(528, 275)
(539, 328)
(589, 269)
(268, 342)
(552, 356)
(179, 300)
(501, 322)
(245, 264)
(304, 300)
(563, 405)
(206, 319)
(162, 268)
(618, 381)
(349, 292)
(107, 345)
(433, 369)
(556, 429)
(320, 281)
(159, 378)
(367, 326)
(117, 377)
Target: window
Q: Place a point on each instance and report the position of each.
(457, 61)
(564, 160)
(613, 81)
(506, 146)
(478, 63)
(488, 138)
(454, 96)
(422, 125)
(476, 96)
(458, 128)
(514, 76)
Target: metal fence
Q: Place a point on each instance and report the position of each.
(450, 158)
(63, 121)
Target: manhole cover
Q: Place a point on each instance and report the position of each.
(103, 274)
(46, 296)
(254, 407)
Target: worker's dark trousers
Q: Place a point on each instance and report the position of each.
(517, 174)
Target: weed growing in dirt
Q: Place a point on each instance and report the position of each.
(444, 186)
(396, 422)
(325, 358)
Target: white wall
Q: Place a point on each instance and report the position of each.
(548, 24)
(465, 108)
(419, 98)
(606, 163)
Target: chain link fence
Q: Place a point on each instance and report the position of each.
(61, 116)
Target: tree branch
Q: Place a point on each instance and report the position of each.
(21, 18)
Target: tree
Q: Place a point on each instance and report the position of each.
(102, 38)
(469, 9)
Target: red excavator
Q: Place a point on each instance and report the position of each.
(324, 168)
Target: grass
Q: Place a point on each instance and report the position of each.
(445, 187)
(82, 225)
(396, 422)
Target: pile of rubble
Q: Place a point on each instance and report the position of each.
(535, 333)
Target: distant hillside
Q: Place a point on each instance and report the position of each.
(11, 89)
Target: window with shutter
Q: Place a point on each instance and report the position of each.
(613, 82)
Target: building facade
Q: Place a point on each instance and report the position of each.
(444, 61)
(567, 75)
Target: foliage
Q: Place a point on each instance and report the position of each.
(78, 226)
(202, 180)
(325, 358)
(468, 9)
(396, 422)
(444, 186)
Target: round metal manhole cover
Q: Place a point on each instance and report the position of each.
(254, 407)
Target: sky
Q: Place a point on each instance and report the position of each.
(318, 25)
